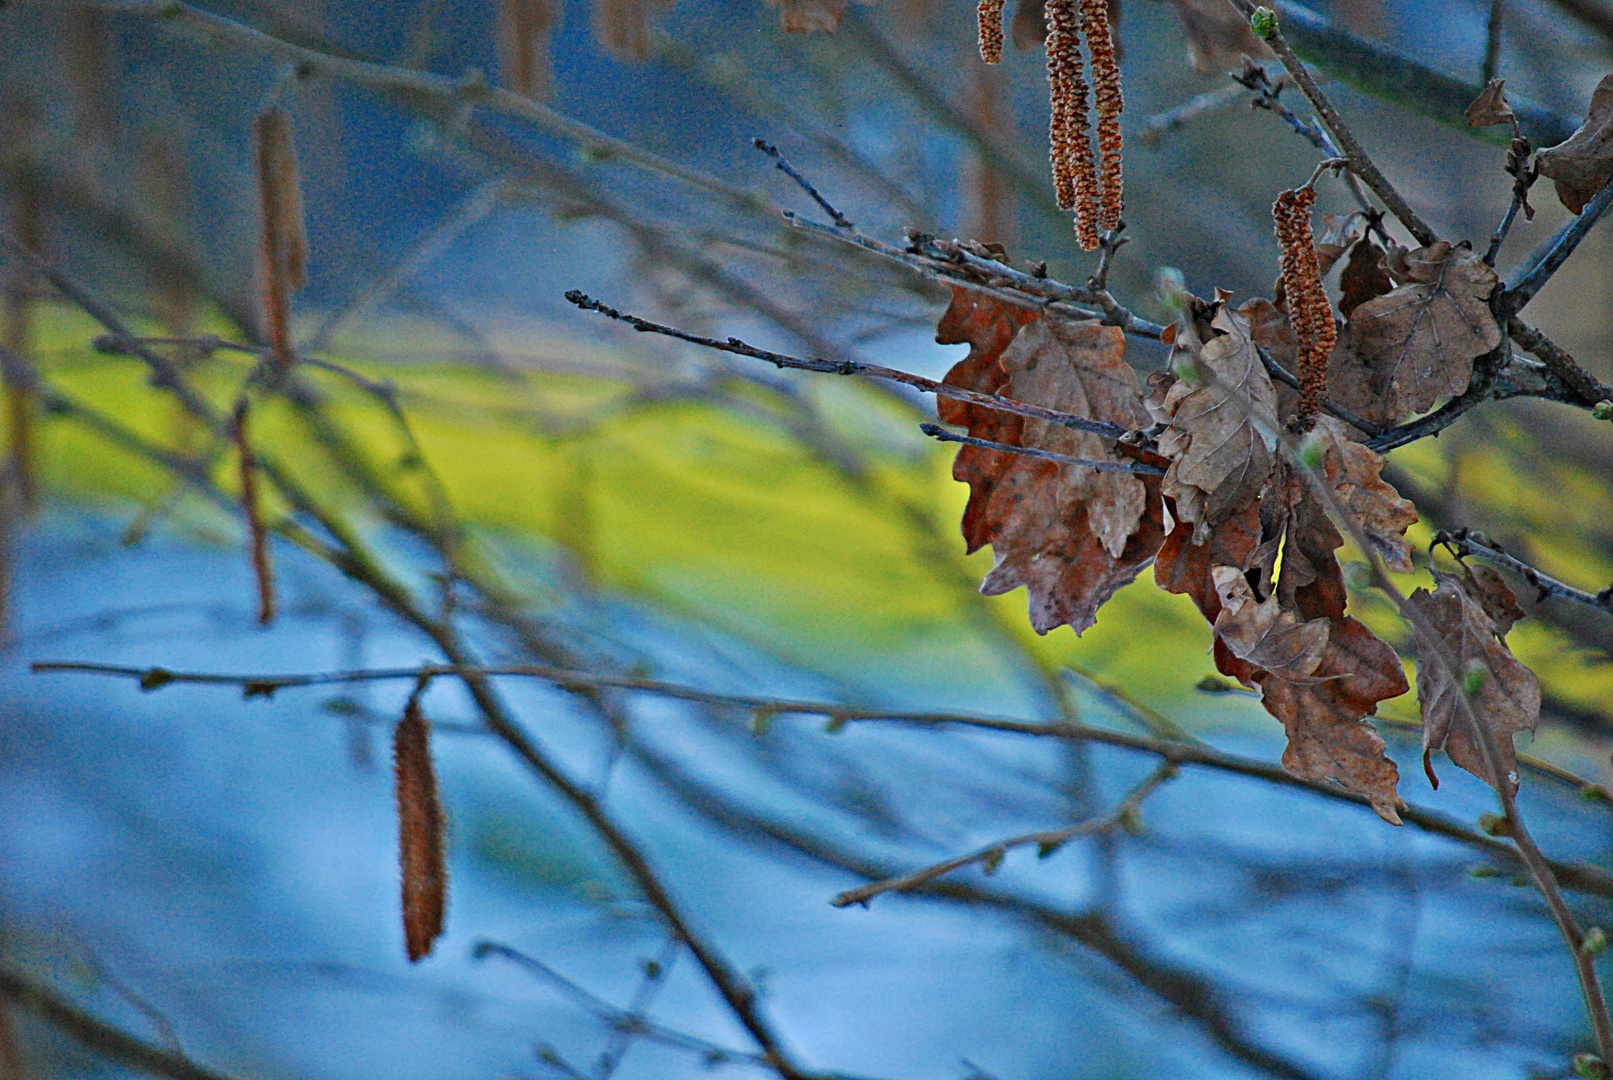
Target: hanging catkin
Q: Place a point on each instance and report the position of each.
(1308, 309)
(420, 833)
(1110, 102)
(1075, 175)
(252, 510)
(284, 240)
(990, 14)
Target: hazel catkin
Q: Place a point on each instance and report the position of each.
(1309, 312)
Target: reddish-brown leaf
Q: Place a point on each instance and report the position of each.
(1072, 536)
(1376, 508)
(1329, 737)
(1506, 697)
(1363, 277)
(420, 834)
(1220, 410)
(1417, 343)
(1582, 164)
(1264, 634)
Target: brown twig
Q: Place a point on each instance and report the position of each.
(1139, 468)
(1579, 876)
(1530, 277)
(991, 856)
(252, 511)
(1463, 542)
(1360, 161)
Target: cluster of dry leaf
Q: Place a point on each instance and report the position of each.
(1237, 501)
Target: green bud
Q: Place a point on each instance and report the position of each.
(1589, 1067)
(1473, 677)
(1212, 685)
(1263, 22)
(1494, 825)
(991, 861)
(1312, 454)
(761, 721)
(1171, 287)
(1595, 943)
(173, 9)
(1482, 871)
(835, 724)
(1602, 410)
(1594, 793)
(155, 679)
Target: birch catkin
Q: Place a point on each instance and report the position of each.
(990, 15)
(283, 241)
(1110, 102)
(1308, 309)
(420, 833)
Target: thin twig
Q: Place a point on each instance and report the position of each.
(1360, 161)
(1463, 542)
(854, 367)
(1046, 843)
(1155, 127)
(97, 1034)
(1581, 383)
(1579, 876)
(783, 165)
(1524, 175)
(1139, 468)
(1529, 278)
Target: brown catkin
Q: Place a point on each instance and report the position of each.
(522, 30)
(421, 856)
(990, 14)
(284, 239)
(1075, 175)
(1110, 103)
(1308, 309)
(257, 531)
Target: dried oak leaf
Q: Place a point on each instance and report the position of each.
(1493, 594)
(1376, 507)
(1185, 567)
(1363, 277)
(1490, 107)
(1417, 343)
(1218, 409)
(1218, 36)
(1329, 737)
(1263, 632)
(1582, 165)
(1507, 694)
(1072, 536)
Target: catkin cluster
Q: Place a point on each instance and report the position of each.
(1308, 309)
(990, 14)
(1075, 170)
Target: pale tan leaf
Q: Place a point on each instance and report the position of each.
(1416, 344)
(1070, 535)
(1218, 36)
(1223, 402)
(1490, 107)
(1262, 633)
(1582, 164)
(1353, 472)
(1502, 692)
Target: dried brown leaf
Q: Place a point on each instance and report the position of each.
(809, 16)
(1417, 343)
(1490, 107)
(1363, 277)
(1072, 536)
(1582, 164)
(1218, 36)
(1377, 509)
(420, 834)
(1219, 458)
(1339, 233)
(1262, 632)
(1507, 694)
(1329, 737)
(1493, 594)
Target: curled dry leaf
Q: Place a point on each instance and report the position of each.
(1219, 408)
(1416, 344)
(1363, 277)
(1582, 165)
(1071, 536)
(1490, 107)
(1353, 471)
(1218, 36)
(420, 834)
(1494, 595)
(1504, 694)
(1262, 632)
